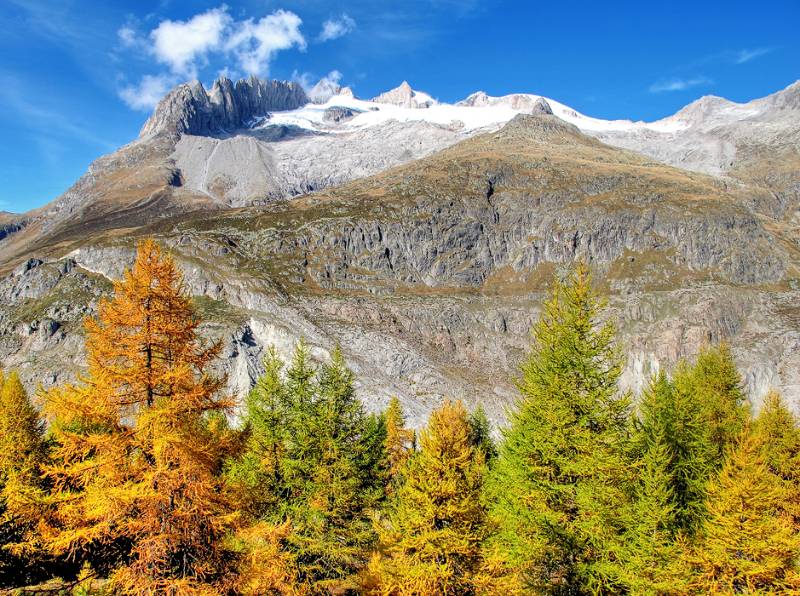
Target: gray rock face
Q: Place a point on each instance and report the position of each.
(338, 114)
(430, 275)
(723, 138)
(189, 109)
(541, 107)
(272, 163)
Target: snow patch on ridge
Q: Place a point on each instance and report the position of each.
(477, 112)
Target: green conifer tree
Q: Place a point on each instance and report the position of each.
(651, 557)
(333, 529)
(716, 386)
(314, 459)
(480, 433)
(708, 414)
(256, 476)
(559, 486)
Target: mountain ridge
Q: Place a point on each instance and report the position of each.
(423, 238)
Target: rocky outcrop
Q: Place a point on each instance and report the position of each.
(541, 107)
(338, 114)
(327, 88)
(189, 109)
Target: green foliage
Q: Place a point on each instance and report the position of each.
(314, 458)
(480, 434)
(650, 552)
(716, 385)
(560, 481)
(708, 414)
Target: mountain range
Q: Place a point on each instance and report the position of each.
(422, 235)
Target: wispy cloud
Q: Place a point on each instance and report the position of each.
(734, 57)
(743, 56)
(336, 28)
(678, 84)
(145, 94)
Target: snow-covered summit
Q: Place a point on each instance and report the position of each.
(405, 97)
(478, 111)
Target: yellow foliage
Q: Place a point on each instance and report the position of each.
(399, 439)
(430, 542)
(22, 456)
(747, 544)
(265, 566)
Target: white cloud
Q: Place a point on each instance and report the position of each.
(185, 47)
(336, 28)
(146, 95)
(254, 43)
(127, 36)
(676, 84)
(179, 44)
(308, 80)
(743, 56)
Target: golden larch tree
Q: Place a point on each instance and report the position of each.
(777, 432)
(430, 542)
(747, 544)
(399, 439)
(135, 457)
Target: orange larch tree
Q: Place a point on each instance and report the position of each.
(135, 456)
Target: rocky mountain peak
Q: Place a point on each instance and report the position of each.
(189, 109)
(475, 100)
(405, 96)
(786, 99)
(543, 128)
(540, 106)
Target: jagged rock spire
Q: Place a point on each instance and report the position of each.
(188, 108)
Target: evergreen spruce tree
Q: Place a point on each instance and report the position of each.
(256, 477)
(560, 482)
(331, 515)
(22, 457)
(480, 432)
(430, 542)
(134, 464)
(652, 559)
(671, 415)
(315, 461)
(748, 543)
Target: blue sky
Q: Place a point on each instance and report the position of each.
(77, 78)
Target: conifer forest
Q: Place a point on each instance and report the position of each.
(144, 477)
